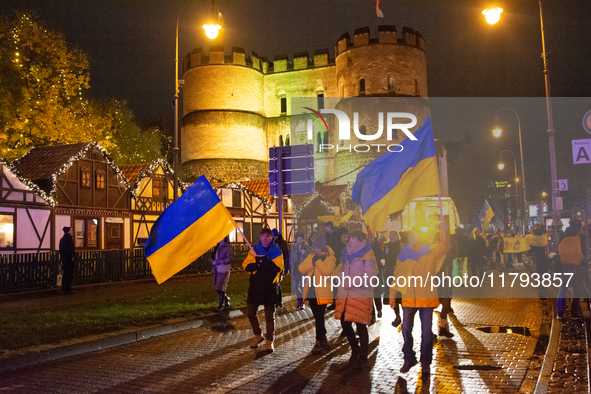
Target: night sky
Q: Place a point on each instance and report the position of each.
(130, 45)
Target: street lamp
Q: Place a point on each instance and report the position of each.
(492, 15)
(211, 30)
(497, 133)
(501, 166)
(551, 132)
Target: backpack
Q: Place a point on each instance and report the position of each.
(570, 251)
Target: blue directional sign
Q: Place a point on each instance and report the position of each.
(293, 167)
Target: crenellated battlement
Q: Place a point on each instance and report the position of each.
(386, 35)
(280, 63)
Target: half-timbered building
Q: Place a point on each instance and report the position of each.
(88, 193)
(25, 214)
(151, 192)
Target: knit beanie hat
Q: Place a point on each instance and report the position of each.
(320, 243)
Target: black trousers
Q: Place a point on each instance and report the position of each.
(318, 312)
(67, 277)
(363, 345)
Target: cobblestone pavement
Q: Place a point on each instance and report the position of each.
(206, 360)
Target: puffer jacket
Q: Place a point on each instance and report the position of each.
(355, 303)
(420, 264)
(317, 272)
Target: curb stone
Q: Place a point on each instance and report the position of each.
(105, 343)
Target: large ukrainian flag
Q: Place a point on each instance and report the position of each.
(393, 180)
(189, 227)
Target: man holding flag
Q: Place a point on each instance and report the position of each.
(265, 264)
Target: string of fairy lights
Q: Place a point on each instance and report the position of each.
(51, 198)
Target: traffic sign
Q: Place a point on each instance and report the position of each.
(587, 122)
(581, 151)
(563, 185)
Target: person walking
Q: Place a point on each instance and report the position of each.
(354, 299)
(573, 252)
(460, 263)
(334, 241)
(391, 250)
(538, 243)
(477, 253)
(67, 260)
(445, 291)
(317, 267)
(222, 259)
(265, 264)
(278, 239)
(298, 253)
(378, 291)
(422, 261)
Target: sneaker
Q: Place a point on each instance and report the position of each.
(331, 307)
(317, 348)
(444, 332)
(269, 348)
(255, 341)
(302, 307)
(379, 314)
(408, 365)
(397, 321)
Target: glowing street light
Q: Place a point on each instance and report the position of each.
(492, 15)
(497, 132)
(501, 165)
(211, 30)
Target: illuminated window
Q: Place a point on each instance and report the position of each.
(100, 179)
(6, 231)
(362, 86)
(85, 177)
(159, 188)
(85, 232)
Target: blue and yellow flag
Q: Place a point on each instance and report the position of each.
(515, 245)
(393, 180)
(486, 215)
(189, 227)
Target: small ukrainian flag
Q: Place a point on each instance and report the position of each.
(187, 229)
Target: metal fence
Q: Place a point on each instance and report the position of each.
(40, 270)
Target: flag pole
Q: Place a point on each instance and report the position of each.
(244, 238)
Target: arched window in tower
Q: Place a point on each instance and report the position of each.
(362, 86)
(417, 87)
(391, 84)
(283, 105)
(280, 140)
(325, 138)
(287, 140)
(318, 140)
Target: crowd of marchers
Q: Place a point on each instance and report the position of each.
(358, 254)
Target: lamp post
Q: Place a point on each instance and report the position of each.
(497, 133)
(551, 132)
(211, 30)
(501, 166)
